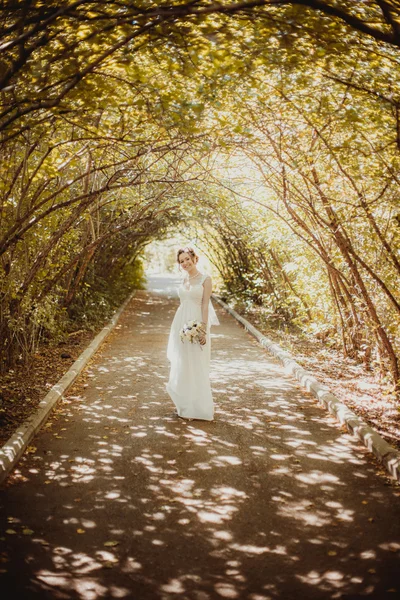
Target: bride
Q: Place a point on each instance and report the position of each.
(189, 380)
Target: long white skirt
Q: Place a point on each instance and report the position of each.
(189, 380)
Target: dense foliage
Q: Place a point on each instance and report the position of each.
(271, 127)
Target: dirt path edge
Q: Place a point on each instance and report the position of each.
(12, 450)
(384, 452)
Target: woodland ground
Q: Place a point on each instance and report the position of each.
(23, 388)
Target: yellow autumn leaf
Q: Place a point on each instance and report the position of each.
(111, 544)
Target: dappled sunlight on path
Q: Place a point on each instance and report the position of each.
(122, 499)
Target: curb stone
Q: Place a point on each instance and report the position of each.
(15, 446)
(384, 452)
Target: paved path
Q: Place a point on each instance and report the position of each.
(121, 499)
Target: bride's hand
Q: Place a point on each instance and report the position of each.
(202, 340)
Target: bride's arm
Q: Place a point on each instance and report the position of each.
(207, 290)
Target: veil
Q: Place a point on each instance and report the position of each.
(212, 315)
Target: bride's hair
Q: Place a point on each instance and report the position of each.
(188, 250)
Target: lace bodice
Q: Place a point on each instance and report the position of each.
(192, 292)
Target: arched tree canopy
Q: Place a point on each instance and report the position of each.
(270, 129)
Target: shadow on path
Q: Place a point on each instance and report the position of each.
(119, 498)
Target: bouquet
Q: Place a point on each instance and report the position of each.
(192, 331)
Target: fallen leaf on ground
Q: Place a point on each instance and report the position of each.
(111, 544)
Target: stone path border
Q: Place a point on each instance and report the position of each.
(15, 446)
(385, 453)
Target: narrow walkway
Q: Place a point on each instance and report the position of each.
(122, 499)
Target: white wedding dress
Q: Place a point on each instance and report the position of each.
(189, 380)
